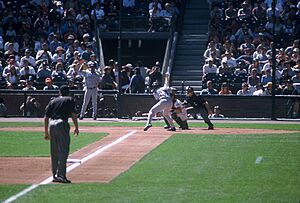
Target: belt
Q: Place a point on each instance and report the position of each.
(91, 88)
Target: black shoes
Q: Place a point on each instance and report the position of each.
(94, 118)
(60, 180)
(166, 127)
(147, 127)
(80, 117)
(211, 127)
(172, 129)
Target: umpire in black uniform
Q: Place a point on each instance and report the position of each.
(58, 131)
(199, 104)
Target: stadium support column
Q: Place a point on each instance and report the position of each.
(119, 59)
(274, 2)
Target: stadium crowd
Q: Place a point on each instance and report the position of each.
(239, 52)
(43, 43)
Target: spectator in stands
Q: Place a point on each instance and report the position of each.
(112, 17)
(10, 51)
(86, 55)
(209, 88)
(82, 15)
(225, 89)
(58, 74)
(230, 60)
(216, 113)
(296, 77)
(230, 12)
(224, 69)
(137, 82)
(29, 84)
(245, 90)
(43, 72)
(259, 12)
(43, 55)
(263, 57)
(266, 77)
(288, 66)
(241, 70)
(98, 13)
(290, 49)
(27, 70)
(242, 32)
(73, 71)
(211, 48)
(50, 85)
(108, 82)
(59, 53)
(246, 58)
(253, 79)
(259, 91)
(12, 76)
(143, 69)
(29, 58)
(247, 45)
(209, 67)
(245, 13)
(295, 56)
(268, 89)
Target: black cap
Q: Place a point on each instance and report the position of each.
(189, 89)
(64, 90)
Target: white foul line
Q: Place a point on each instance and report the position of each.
(258, 159)
(69, 168)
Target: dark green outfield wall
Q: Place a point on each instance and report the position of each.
(232, 106)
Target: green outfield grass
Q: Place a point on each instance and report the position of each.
(197, 168)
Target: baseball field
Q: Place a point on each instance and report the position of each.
(116, 161)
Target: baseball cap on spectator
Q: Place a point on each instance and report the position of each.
(269, 84)
(128, 65)
(76, 53)
(86, 35)
(71, 37)
(48, 80)
(60, 48)
(209, 59)
(93, 54)
(289, 81)
(296, 50)
(27, 51)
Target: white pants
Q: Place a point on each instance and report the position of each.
(87, 96)
(164, 106)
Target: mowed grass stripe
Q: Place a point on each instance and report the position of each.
(32, 144)
(194, 168)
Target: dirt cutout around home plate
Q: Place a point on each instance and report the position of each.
(108, 164)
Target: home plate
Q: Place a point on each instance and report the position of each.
(73, 161)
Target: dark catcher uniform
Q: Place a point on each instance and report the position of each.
(199, 105)
(59, 110)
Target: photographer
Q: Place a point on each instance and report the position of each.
(32, 108)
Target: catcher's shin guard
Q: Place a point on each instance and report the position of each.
(184, 125)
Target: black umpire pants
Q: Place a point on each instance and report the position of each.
(60, 146)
